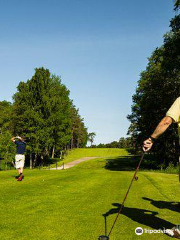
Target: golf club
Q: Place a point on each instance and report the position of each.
(103, 237)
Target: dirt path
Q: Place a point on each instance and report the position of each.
(73, 163)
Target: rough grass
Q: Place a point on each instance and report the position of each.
(70, 204)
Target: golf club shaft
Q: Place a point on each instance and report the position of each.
(105, 226)
(142, 156)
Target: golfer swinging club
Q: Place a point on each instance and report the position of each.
(19, 157)
(173, 115)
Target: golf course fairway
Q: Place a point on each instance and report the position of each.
(70, 204)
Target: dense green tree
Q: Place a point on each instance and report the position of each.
(122, 143)
(79, 133)
(100, 145)
(125, 142)
(32, 109)
(7, 149)
(43, 113)
(157, 89)
(5, 116)
(59, 120)
(114, 144)
(176, 5)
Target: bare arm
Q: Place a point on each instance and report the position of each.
(160, 129)
(162, 126)
(13, 139)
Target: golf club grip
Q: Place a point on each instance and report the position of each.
(122, 205)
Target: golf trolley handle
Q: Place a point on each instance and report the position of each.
(122, 205)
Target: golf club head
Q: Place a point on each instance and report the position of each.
(136, 178)
(102, 237)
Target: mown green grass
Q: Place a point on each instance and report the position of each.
(69, 204)
(94, 152)
(79, 153)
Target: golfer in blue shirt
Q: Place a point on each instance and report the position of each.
(20, 155)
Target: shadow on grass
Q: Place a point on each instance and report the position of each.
(173, 206)
(130, 163)
(142, 216)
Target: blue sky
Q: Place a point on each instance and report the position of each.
(98, 47)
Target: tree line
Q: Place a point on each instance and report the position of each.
(122, 143)
(43, 112)
(158, 87)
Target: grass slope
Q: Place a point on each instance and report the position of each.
(94, 152)
(69, 204)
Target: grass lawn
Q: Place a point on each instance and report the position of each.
(94, 152)
(69, 204)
